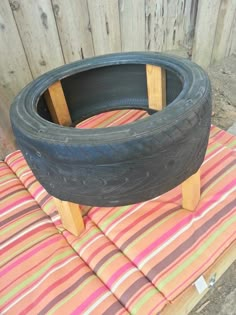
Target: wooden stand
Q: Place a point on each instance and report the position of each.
(71, 213)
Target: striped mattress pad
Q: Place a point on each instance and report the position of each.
(134, 259)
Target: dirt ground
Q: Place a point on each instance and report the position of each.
(223, 80)
(221, 299)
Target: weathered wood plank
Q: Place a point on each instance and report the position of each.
(132, 24)
(175, 19)
(231, 46)
(181, 19)
(7, 141)
(155, 25)
(14, 74)
(223, 29)
(206, 23)
(14, 68)
(156, 87)
(38, 31)
(57, 105)
(190, 24)
(105, 26)
(74, 28)
(170, 24)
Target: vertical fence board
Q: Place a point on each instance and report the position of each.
(190, 23)
(170, 24)
(205, 31)
(155, 25)
(224, 24)
(7, 142)
(14, 73)
(231, 46)
(38, 31)
(105, 25)
(74, 28)
(132, 24)
(14, 69)
(181, 18)
(175, 24)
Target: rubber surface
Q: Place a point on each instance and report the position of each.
(118, 165)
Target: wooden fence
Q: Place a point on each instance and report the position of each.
(39, 35)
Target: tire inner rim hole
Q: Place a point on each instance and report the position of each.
(102, 90)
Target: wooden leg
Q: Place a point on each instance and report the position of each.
(57, 105)
(156, 87)
(191, 192)
(71, 216)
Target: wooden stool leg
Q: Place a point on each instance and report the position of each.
(71, 216)
(156, 87)
(191, 192)
(57, 105)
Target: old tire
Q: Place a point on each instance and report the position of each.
(119, 165)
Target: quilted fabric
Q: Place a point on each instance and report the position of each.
(133, 259)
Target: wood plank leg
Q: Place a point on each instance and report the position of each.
(156, 87)
(57, 105)
(71, 216)
(191, 192)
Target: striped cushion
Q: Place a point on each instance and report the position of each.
(132, 259)
(39, 271)
(113, 118)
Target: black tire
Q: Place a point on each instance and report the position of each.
(118, 165)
